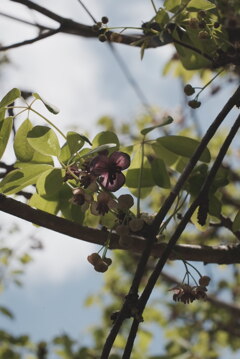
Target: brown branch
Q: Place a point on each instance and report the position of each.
(206, 254)
(43, 35)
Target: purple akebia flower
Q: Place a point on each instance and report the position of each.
(108, 169)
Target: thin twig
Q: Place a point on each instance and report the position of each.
(31, 41)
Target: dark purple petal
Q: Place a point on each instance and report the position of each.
(121, 159)
(99, 164)
(117, 183)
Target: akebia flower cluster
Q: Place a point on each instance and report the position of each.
(186, 293)
(100, 175)
(93, 181)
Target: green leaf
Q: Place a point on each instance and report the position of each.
(236, 222)
(215, 206)
(172, 5)
(37, 158)
(183, 146)
(6, 312)
(190, 59)
(10, 97)
(161, 152)
(99, 149)
(162, 17)
(47, 204)
(75, 141)
(196, 5)
(51, 108)
(5, 131)
(16, 180)
(23, 151)
(50, 182)
(2, 114)
(104, 138)
(44, 140)
(167, 121)
(132, 178)
(159, 173)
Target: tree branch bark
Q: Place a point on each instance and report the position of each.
(207, 254)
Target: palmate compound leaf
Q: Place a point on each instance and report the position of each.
(183, 146)
(5, 131)
(10, 97)
(51, 108)
(16, 180)
(23, 151)
(50, 182)
(165, 122)
(44, 140)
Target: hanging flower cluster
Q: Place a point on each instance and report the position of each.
(101, 175)
(186, 293)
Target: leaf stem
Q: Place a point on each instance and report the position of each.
(49, 122)
(154, 6)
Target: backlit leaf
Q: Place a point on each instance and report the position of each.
(10, 97)
(183, 146)
(51, 108)
(16, 180)
(50, 182)
(44, 140)
(196, 5)
(5, 131)
(46, 204)
(22, 149)
(159, 173)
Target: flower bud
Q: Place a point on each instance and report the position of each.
(204, 281)
(194, 103)
(189, 90)
(101, 266)
(105, 20)
(94, 258)
(136, 224)
(125, 201)
(108, 261)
